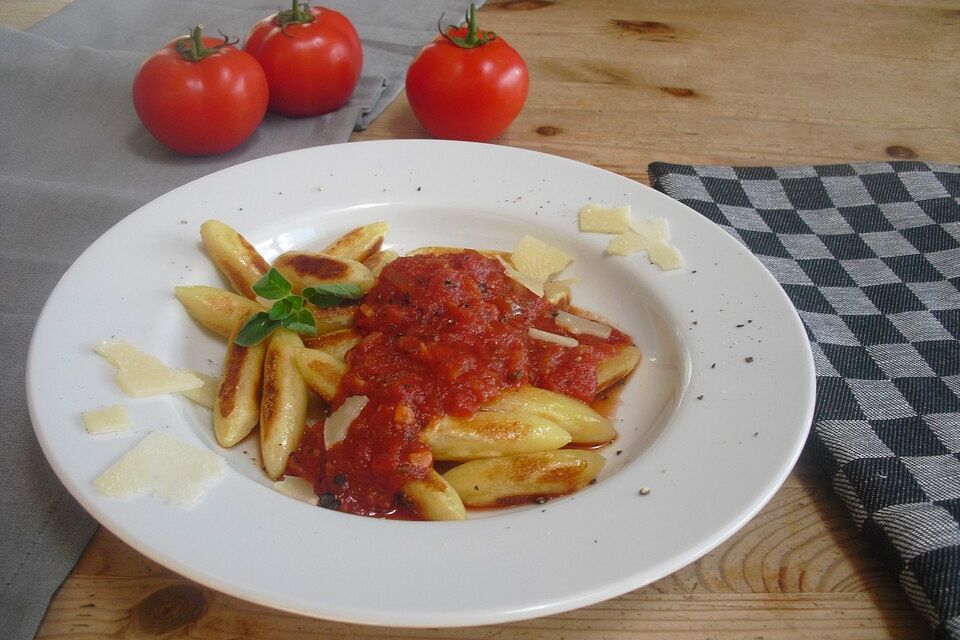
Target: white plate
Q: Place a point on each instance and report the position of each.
(710, 463)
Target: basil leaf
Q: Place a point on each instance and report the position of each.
(282, 308)
(332, 295)
(296, 303)
(256, 329)
(302, 322)
(272, 286)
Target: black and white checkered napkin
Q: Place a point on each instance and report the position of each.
(870, 255)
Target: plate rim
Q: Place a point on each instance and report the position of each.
(454, 619)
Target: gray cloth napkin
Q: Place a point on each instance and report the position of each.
(74, 160)
(870, 255)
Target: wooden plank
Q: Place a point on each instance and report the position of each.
(133, 608)
(795, 570)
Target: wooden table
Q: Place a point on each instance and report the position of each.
(619, 84)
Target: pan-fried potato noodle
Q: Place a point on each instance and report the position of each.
(305, 269)
(236, 409)
(223, 312)
(234, 256)
(360, 243)
(283, 405)
(509, 480)
(452, 356)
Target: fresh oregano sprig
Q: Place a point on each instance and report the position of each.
(288, 309)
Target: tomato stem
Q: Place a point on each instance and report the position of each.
(474, 37)
(192, 49)
(299, 13)
(472, 25)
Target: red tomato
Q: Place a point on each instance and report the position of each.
(312, 57)
(467, 84)
(200, 96)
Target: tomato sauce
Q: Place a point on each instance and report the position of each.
(442, 334)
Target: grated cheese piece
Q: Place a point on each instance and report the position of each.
(531, 284)
(537, 259)
(626, 244)
(107, 420)
(337, 424)
(546, 336)
(651, 235)
(298, 489)
(205, 395)
(654, 229)
(163, 466)
(576, 324)
(140, 375)
(597, 219)
(666, 256)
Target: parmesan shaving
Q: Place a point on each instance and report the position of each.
(558, 294)
(140, 375)
(651, 235)
(338, 423)
(164, 466)
(654, 229)
(298, 489)
(537, 259)
(546, 336)
(108, 420)
(205, 395)
(626, 244)
(531, 284)
(597, 219)
(576, 324)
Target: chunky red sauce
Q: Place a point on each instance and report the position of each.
(442, 335)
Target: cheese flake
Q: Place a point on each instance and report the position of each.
(537, 259)
(140, 375)
(206, 395)
(626, 244)
(164, 466)
(107, 420)
(337, 424)
(298, 489)
(577, 324)
(532, 285)
(651, 235)
(597, 219)
(546, 336)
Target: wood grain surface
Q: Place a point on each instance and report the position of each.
(619, 84)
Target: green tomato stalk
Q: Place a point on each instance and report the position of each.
(474, 37)
(192, 49)
(299, 13)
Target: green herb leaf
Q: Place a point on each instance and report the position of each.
(282, 308)
(332, 295)
(256, 329)
(302, 322)
(272, 286)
